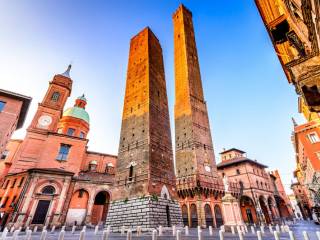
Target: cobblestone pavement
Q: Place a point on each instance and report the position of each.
(297, 228)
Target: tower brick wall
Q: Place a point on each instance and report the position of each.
(194, 148)
(145, 182)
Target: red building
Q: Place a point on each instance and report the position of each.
(263, 198)
(52, 177)
(306, 140)
(13, 111)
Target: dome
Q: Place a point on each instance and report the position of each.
(77, 112)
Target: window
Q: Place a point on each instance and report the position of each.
(2, 104)
(49, 190)
(55, 96)
(130, 173)
(21, 181)
(81, 134)
(63, 152)
(5, 202)
(6, 185)
(14, 183)
(4, 154)
(313, 137)
(13, 201)
(238, 171)
(70, 131)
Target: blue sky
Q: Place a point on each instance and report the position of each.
(249, 100)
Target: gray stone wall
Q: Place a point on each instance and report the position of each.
(147, 212)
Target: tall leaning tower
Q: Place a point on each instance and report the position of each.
(145, 193)
(198, 181)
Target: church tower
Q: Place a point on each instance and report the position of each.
(145, 179)
(50, 109)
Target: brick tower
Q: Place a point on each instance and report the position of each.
(198, 181)
(145, 179)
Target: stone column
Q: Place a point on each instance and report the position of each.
(26, 202)
(89, 208)
(61, 201)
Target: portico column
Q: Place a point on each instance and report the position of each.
(61, 201)
(26, 202)
(89, 208)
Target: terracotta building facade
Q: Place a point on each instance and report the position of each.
(53, 178)
(306, 141)
(262, 196)
(13, 111)
(294, 29)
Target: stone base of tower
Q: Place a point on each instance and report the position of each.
(231, 212)
(147, 212)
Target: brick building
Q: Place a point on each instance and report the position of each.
(13, 111)
(53, 179)
(263, 198)
(306, 141)
(294, 29)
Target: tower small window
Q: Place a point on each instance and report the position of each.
(238, 171)
(2, 104)
(55, 96)
(63, 152)
(70, 131)
(131, 173)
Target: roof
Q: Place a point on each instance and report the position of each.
(25, 104)
(77, 112)
(237, 161)
(45, 170)
(232, 149)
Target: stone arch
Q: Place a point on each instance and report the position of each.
(282, 208)
(208, 215)
(218, 215)
(264, 209)
(248, 211)
(100, 207)
(193, 215)
(78, 207)
(185, 216)
(46, 183)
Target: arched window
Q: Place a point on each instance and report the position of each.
(55, 96)
(49, 190)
